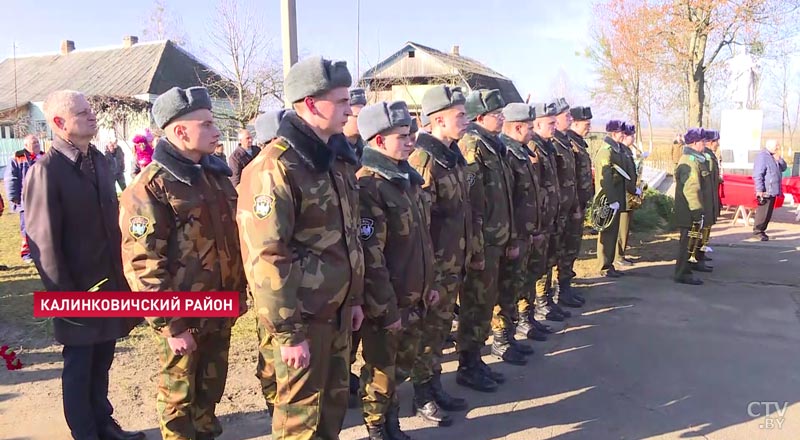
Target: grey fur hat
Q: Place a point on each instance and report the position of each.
(314, 76)
(440, 98)
(267, 125)
(518, 112)
(541, 110)
(177, 102)
(358, 96)
(382, 116)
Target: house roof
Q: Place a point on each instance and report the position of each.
(143, 68)
(477, 74)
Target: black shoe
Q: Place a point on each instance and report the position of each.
(392, 426)
(522, 348)
(502, 348)
(3, 267)
(204, 436)
(578, 297)
(496, 376)
(112, 431)
(764, 237)
(271, 409)
(701, 267)
(707, 258)
(556, 308)
(527, 329)
(624, 262)
(611, 273)
(449, 342)
(424, 406)
(570, 301)
(353, 400)
(543, 328)
(690, 281)
(471, 375)
(377, 432)
(543, 312)
(442, 398)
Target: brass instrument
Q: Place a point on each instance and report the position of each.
(633, 201)
(704, 247)
(602, 215)
(695, 239)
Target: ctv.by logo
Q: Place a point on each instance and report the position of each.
(773, 413)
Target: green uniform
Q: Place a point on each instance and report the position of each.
(443, 168)
(630, 190)
(543, 255)
(493, 230)
(182, 236)
(689, 202)
(395, 231)
(585, 189)
(609, 180)
(568, 207)
(299, 226)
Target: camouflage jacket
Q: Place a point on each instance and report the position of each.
(583, 163)
(607, 177)
(490, 184)
(395, 234)
(547, 166)
(299, 232)
(179, 233)
(346, 168)
(689, 181)
(443, 169)
(525, 190)
(567, 174)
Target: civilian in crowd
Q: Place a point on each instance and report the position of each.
(14, 178)
(244, 153)
(767, 174)
(116, 162)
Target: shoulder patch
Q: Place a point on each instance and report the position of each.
(263, 206)
(367, 228)
(471, 179)
(140, 226)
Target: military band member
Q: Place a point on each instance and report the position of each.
(580, 128)
(439, 161)
(691, 176)
(568, 207)
(712, 146)
(517, 132)
(398, 256)
(303, 260)
(611, 178)
(625, 216)
(179, 215)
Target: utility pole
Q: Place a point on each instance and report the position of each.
(358, 39)
(289, 37)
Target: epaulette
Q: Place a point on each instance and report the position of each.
(277, 147)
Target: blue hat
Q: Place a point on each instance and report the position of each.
(694, 135)
(614, 126)
(581, 113)
(712, 135)
(628, 128)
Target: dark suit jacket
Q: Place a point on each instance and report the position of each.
(240, 159)
(73, 230)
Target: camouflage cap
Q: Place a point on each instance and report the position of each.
(614, 126)
(541, 110)
(711, 135)
(177, 102)
(628, 128)
(378, 118)
(441, 97)
(581, 113)
(267, 125)
(358, 96)
(694, 135)
(561, 105)
(480, 102)
(518, 112)
(314, 76)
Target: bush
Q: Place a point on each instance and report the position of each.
(656, 213)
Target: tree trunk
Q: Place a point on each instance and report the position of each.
(697, 95)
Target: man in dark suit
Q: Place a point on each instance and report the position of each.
(73, 232)
(244, 153)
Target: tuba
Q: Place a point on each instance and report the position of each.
(602, 215)
(696, 238)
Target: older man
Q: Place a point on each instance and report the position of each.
(244, 153)
(15, 174)
(72, 226)
(116, 160)
(767, 175)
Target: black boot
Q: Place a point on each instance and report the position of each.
(392, 425)
(565, 295)
(112, 431)
(701, 267)
(353, 400)
(471, 375)
(377, 432)
(271, 409)
(442, 398)
(527, 329)
(543, 312)
(558, 309)
(502, 348)
(425, 406)
(496, 376)
(520, 347)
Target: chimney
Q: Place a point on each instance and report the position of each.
(129, 40)
(67, 46)
(455, 50)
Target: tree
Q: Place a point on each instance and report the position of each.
(243, 53)
(162, 25)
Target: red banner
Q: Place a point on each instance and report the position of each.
(135, 304)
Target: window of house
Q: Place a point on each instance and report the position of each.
(411, 54)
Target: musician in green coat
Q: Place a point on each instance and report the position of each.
(610, 179)
(691, 176)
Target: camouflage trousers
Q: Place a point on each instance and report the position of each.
(535, 275)
(570, 246)
(436, 326)
(477, 300)
(310, 403)
(514, 282)
(388, 359)
(190, 386)
(265, 369)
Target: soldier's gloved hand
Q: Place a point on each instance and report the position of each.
(512, 252)
(432, 298)
(182, 344)
(614, 206)
(357, 317)
(296, 356)
(638, 191)
(394, 327)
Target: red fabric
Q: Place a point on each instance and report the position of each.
(739, 190)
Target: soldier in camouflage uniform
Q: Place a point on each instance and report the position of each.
(299, 226)
(439, 161)
(609, 178)
(569, 210)
(692, 181)
(625, 217)
(358, 99)
(182, 236)
(494, 236)
(398, 263)
(581, 125)
(525, 199)
(540, 261)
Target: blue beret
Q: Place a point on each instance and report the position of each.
(314, 76)
(441, 97)
(383, 116)
(581, 113)
(628, 128)
(480, 102)
(614, 126)
(177, 102)
(541, 110)
(694, 135)
(561, 105)
(267, 125)
(518, 112)
(358, 97)
(711, 135)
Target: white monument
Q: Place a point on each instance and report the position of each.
(745, 76)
